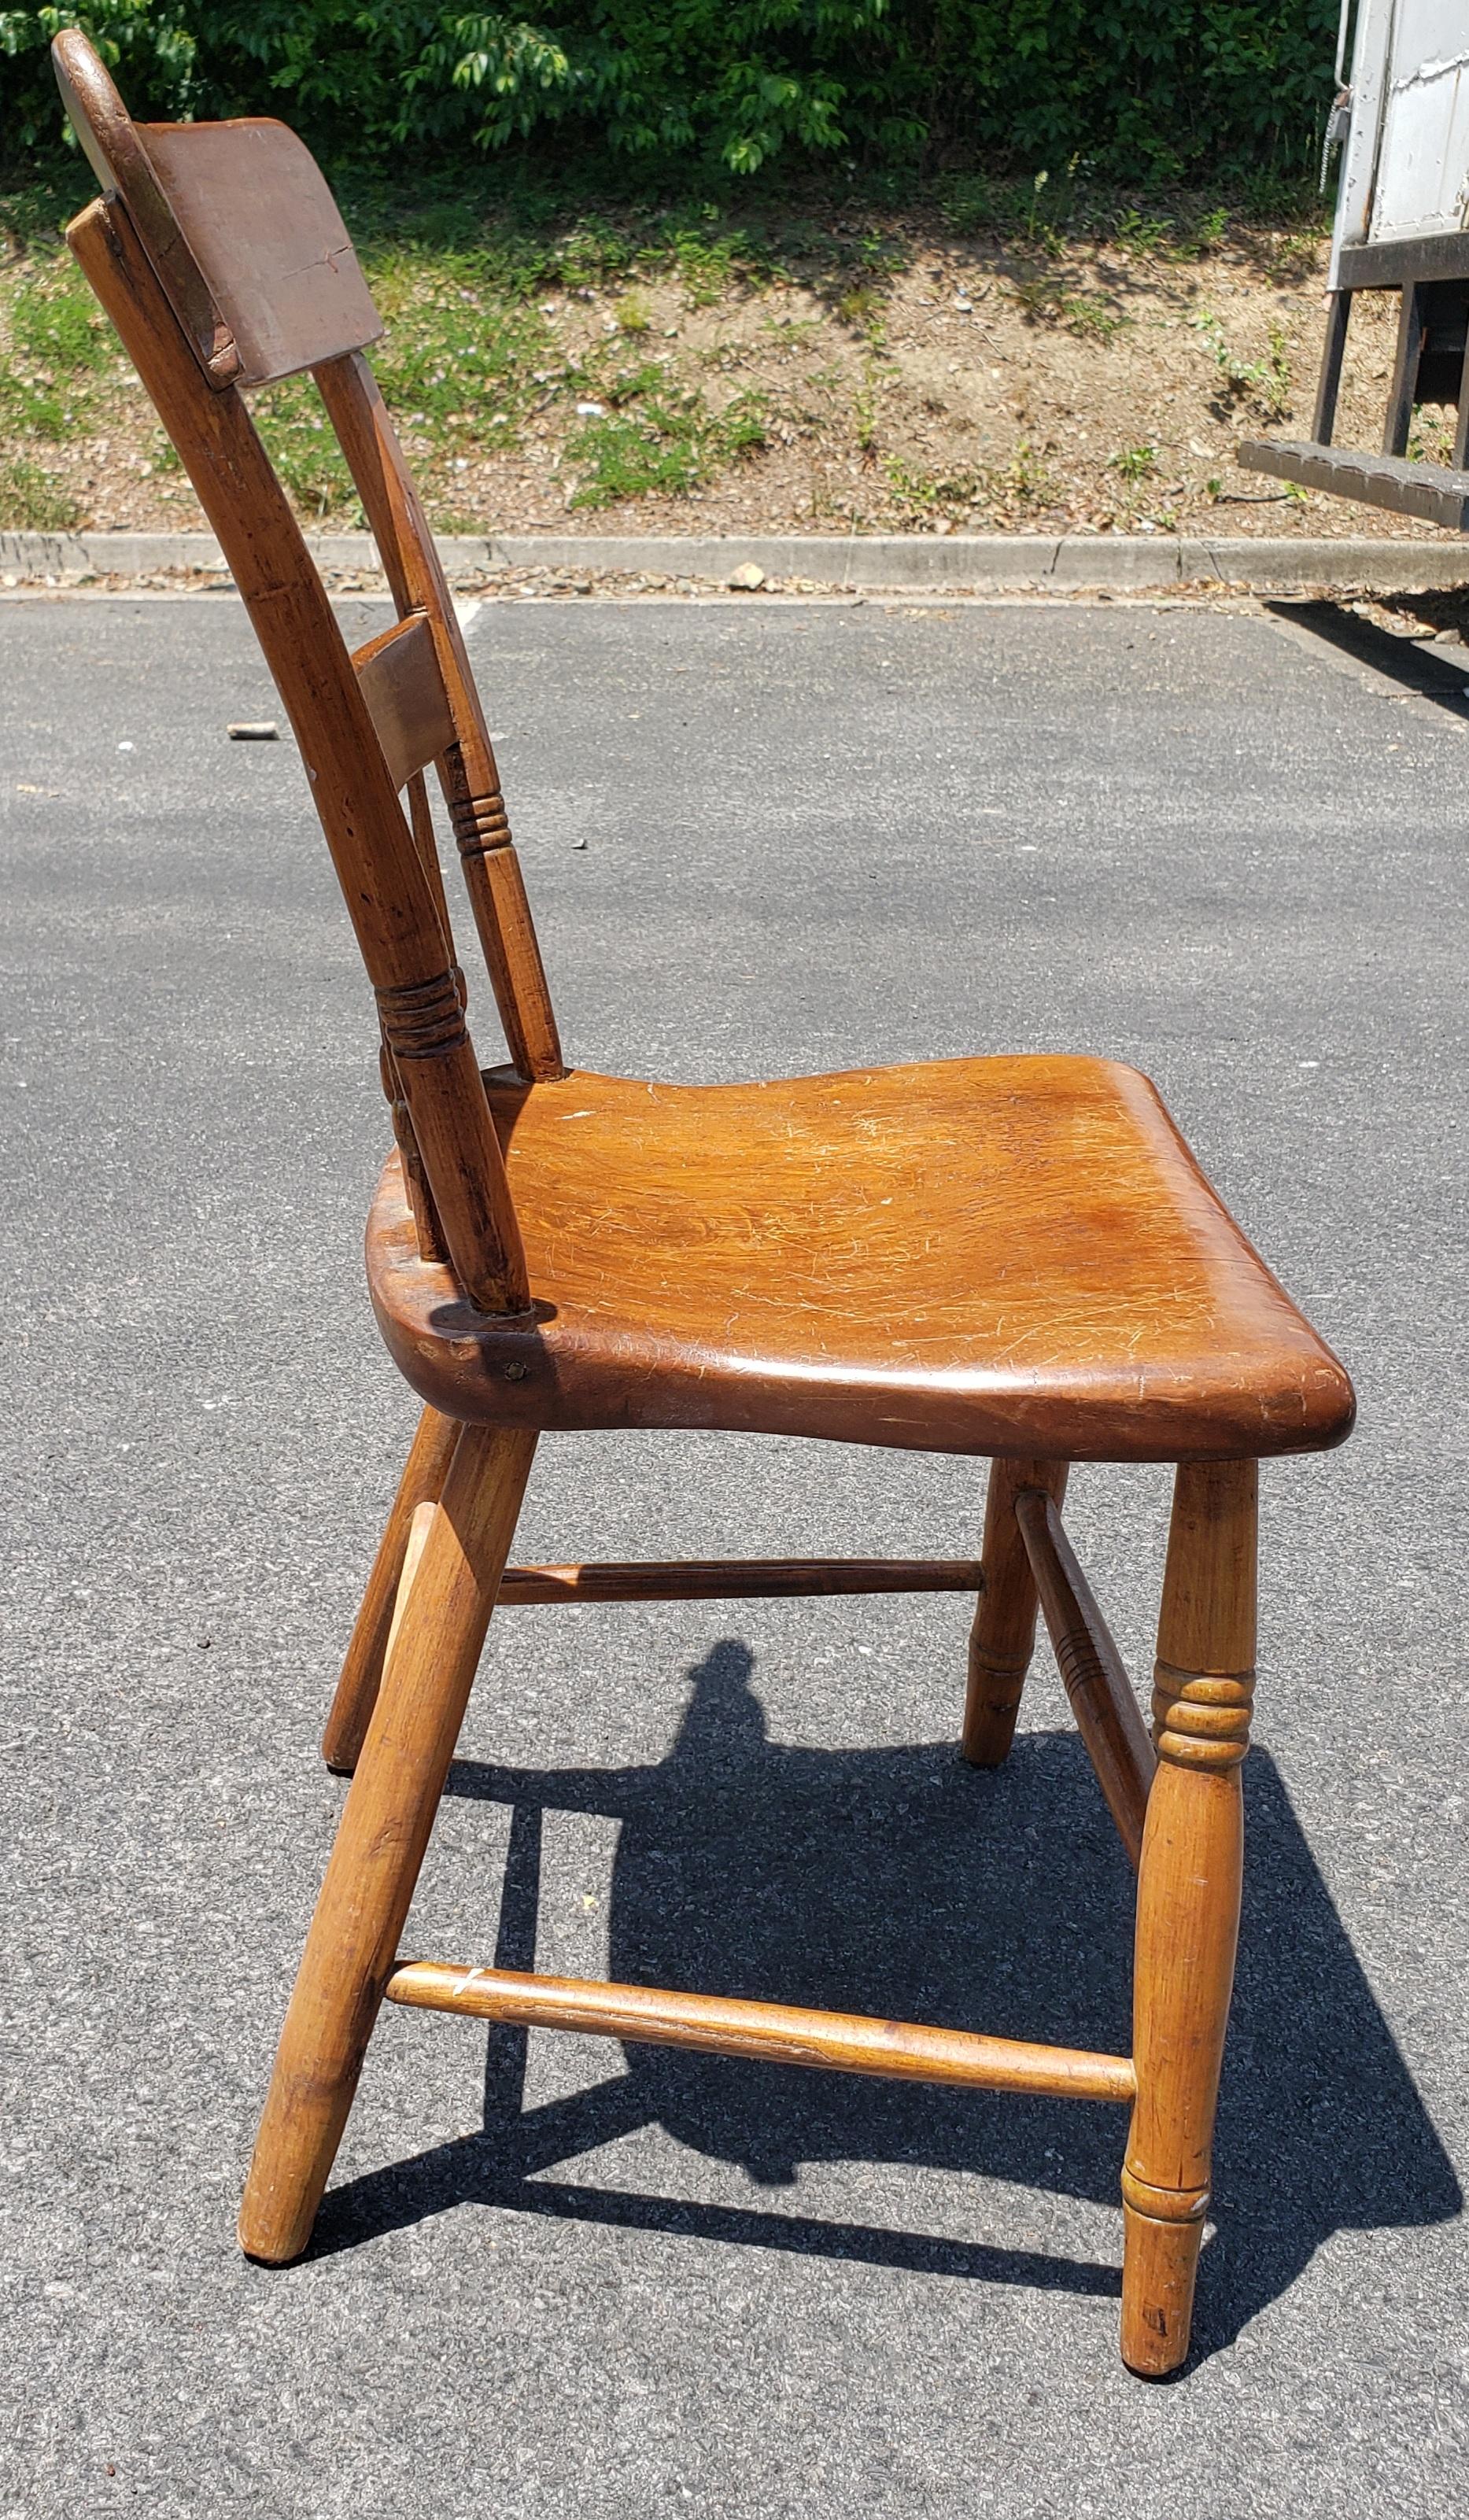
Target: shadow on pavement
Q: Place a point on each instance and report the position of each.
(1441, 678)
(900, 1883)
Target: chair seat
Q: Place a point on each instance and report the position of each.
(987, 1255)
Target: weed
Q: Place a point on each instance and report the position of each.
(884, 256)
(742, 428)
(1026, 479)
(1431, 438)
(1135, 463)
(862, 308)
(865, 416)
(1199, 236)
(34, 501)
(634, 315)
(933, 493)
(704, 263)
(1263, 381)
(968, 202)
(1141, 231)
(1090, 317)
(792, 332)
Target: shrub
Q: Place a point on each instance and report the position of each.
(1138, 93)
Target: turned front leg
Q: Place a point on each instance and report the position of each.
(1003, 1638)
(1188, 1892)
(385, 1823)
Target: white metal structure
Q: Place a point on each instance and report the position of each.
(1401, 223)
(1404, 170)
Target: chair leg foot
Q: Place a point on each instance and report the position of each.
(423, 1474)
(1189, 1894)
(1003, 1638)
(353, 1942)
(1159, 2264)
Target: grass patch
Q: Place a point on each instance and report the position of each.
(657, 436)
(302, 446)
(33, 501)
(59, 348)
(509, 302)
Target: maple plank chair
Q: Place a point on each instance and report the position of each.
(1011, 1258)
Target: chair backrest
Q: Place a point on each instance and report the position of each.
(222, 261)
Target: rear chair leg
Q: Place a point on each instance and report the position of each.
(423, 1474)
(1189, 1891)
(1003, 1638)
(373, 1867)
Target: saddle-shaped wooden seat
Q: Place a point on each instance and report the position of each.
(978, 1255)
(1006, 1256)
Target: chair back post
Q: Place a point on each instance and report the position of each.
(388, 896)
(466, 769)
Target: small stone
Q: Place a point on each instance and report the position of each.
(262, 730)
(747, 578)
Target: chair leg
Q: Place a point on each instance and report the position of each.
(374, 1868)
(1003, 1638)
(1189, 1891)
(423, 1474)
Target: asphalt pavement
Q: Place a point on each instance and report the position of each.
(557, 2277)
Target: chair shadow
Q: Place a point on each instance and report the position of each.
(1431, 678)
(901, 1883)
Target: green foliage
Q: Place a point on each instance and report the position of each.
(151, 45)
(1135, 463)
(1148, 95)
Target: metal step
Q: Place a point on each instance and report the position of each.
(1431, 491)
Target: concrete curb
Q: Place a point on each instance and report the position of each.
(922, 563)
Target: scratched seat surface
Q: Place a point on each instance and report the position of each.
(977, 1255)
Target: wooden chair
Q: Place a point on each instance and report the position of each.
(1009, 1258)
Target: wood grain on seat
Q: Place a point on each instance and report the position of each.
(995, 1255)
